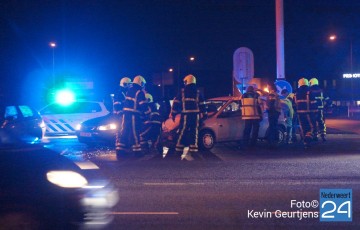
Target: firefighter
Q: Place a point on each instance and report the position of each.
(252, 114)
(317, 93)
(303, 101)
(119, 100)
(134, 110)
(119, 97)
(191, 105)
(152, 126)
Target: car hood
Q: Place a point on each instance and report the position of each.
(110, 118)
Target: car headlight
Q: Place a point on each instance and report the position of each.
(111, 126)
(78, 127)
(42, 124)
(66, 179)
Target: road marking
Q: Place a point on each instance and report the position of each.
(144, 213)
(172, 184)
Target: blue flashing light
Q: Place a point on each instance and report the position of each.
(64, 97)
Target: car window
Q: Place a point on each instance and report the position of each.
(214, 106)
(11, 111)
(26, 111)
(76, 107)
(232, 110)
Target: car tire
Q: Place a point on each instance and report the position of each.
(281, 135)
(206, 140)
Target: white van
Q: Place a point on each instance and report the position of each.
(63, 120)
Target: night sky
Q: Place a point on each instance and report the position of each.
(104, 40)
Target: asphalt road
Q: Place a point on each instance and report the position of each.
(228, 188)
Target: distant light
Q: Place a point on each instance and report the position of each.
(64, 97)
(332, 37)
(159, 85)
(349, 75)
(52, 44)
(266, 89)
(171, 70)
(192, 58)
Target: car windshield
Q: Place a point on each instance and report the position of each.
(214, 105)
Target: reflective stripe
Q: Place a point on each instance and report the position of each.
(130, 99)
(131, 110)
(191, 111)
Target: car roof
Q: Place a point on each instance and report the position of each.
(77, 101)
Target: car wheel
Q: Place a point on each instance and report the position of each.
(281, 135)
(206, 140)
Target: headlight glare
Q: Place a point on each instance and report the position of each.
(111, 126)
(66, 179)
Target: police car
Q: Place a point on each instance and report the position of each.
(63, 119)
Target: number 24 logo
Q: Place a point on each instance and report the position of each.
(339, 209)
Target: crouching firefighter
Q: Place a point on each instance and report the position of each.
(135, 107)
(150, 137)
(191, 105)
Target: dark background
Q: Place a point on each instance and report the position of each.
(104, 40)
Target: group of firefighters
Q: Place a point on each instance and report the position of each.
(303, 109)
(141, 120)
(141, 123)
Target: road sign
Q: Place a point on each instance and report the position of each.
(282, 84)
(243, 65)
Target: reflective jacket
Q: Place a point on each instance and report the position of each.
(189, 101)
(153, 115)
(135, 101)
(318, 95)
(119, 99)
(250, 106)
(305, 103)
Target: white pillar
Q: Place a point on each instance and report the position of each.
(280, 63)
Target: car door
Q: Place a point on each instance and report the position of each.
(230, 124)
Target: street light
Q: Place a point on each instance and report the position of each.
(333, 37)
(53, 45)
(190, 59)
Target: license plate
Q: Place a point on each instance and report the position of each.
(84, 134)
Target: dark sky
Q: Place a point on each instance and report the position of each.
(104, 40)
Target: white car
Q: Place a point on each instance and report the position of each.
(225, 123)
(65, 119)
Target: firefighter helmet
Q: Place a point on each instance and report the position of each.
(313, 81)
(303, 81)
(140, 80)
(189, 79)
(149, 98)
(125, 82)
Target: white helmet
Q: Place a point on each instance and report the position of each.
(303, 81)
(313, 81)
(140, 80)
(149, 97)
(189, 79)
(125, 82)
